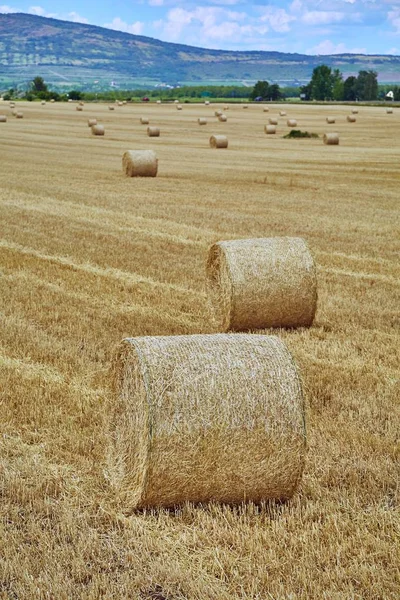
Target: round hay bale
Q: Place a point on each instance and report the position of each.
(223, 118)
(179, 107)
(200, 418)
(351, 119)
(291, 123)
(144, 120)
(176, 101)
(202, 121)
(111, 107)
(245, 106)
(218, 141)
(217, 113)
(98, 129)
(330, 120)
(81, 103)
(70, 100)
(272, 121)
(3, 119)
(12, 105)
(79, 107)
(120, 103)
(207, 103)
(354, 111)
(92, 122)
(282, 113)
(270, 129)
(52, 100)
(265, 109)
(260, 283)
(43, 103)
(331, 139)
(158, 101)
(153, 132)
(226, 107)
(140, 163)
(19, 115)
(389, 111)
(123, 102)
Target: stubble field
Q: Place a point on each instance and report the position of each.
(88, 257)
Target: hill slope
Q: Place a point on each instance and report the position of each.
(74, 54)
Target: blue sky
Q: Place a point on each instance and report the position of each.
(318, 27)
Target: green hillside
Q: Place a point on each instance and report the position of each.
(77, 55)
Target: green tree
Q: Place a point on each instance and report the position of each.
(261, 89)
(367, 85)
(337, 85)
(349, 89)
(38, 85)
(275, 92)
(322, 83)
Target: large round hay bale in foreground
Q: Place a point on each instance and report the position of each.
(202, 121)
(153, 132)
(140, 163)
(270, 129)
(92, 122)
(330, 120)
(218, 141)
(260, 283)
(291, 123)
(331, 139)
(98, 129)
(273, 121)
(3, 119)
(205, 418)
(351, 119)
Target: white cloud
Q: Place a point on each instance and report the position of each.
(277, 18)
(328, 47)
(322, 17)
(76, 18)
(394, 18)
(119, 25)
(156, 2)
(37, 10)
(6, 10)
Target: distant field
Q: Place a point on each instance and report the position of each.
(88, 256)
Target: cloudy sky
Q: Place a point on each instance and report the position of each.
(311, 27)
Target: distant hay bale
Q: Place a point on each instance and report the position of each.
(282, 113)
(265, 109)
(81, 103)
(218, 141)
(158, 101)
(70, 100)
(92, 122)
(52, 100)
(291, 123)
(330, 120)
(123, 102)
(331, 139)
(12, 105)
(207, 103)
(273, 121)
(226, 107)
(223, 118)
(3, 119)
(153, 132)
(98, 129)
(245, 106)
(351, 119)
(19, 115)
(176, 101)
(43, 103)
(120, 104)
(260, 283)
(79, 107)
(140, 163)
(111, 107)
(200, 418)
(202, 121)
(389, 111)
(144, 120)
(270, 129)
(179, 107)
(217, 113)
(354, 111)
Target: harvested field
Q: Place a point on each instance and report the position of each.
(89, 256)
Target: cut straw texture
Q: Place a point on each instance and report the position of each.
(140, 163)
(218, 141)
(98, 129)
(205, 418)
(260, 283)
(331, 139)
(153, 131)
(330, 120)
(270, 129)
(202, 121)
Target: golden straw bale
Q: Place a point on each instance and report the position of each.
(270, 128)
(223, 118)
(81, 103)
(351, 119)
(218, 141)
(331, 139)
(179, 107)
(52, 100)
(176, 101)
(98, 129)
(140, 163)
(120, 104)
(153, 132)
(389, 111)
(12, 105)
(207, 103)
(218, 113)
(354, 111)
(259, 283)
(245, 106)
(200, 418)
(158, 101)
(282, 113)
(330, 120)
(111, 107)
(3, 119)
(291, 123)
(144, 120)
(43, 103)
(226, 107)
(273, 121)
(19, 115)
(79, 107)
(265, 109)
(92, 122)
(202, 121)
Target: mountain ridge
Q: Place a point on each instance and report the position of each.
(69, 54)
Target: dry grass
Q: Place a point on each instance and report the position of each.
(89, 256)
